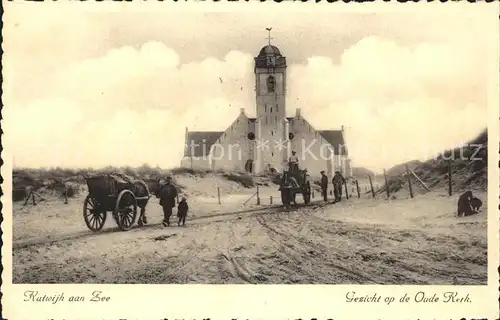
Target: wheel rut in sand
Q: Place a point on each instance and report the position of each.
(306, 253)
(231, 265)
(235, 268)
(383, 259)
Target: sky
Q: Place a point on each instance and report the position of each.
(92, 88)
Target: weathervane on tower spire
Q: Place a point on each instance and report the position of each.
(269, 36)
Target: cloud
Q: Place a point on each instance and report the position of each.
(131, 105)
(408, 102)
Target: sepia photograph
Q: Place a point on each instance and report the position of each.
(197, 147)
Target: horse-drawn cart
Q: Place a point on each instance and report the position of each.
(114, 193)
(292, 183)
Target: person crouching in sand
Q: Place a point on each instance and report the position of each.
(182, 211)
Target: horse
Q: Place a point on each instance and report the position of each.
(293, 182)
(464, 204)
(154, 186)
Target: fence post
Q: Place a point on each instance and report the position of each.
(218, 194)
(409, 180)
(357, 188)
(65, 195)
(371, 186)
(449, 177)
(386, 184)
(258, 196)
(27, 198)
(346, 193)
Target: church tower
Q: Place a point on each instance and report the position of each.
(270, 91)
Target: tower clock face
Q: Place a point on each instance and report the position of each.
(271, 61)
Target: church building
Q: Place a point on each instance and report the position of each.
(266, 142)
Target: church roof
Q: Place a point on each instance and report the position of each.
(200, 142)
(336, 139)
(269, 50)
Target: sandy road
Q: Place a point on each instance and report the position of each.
(87, 234)
(360, 241)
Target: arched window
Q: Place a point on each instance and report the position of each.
(265, 108)
(271, 84)
(271, 109)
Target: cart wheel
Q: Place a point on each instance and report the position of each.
(93, 219)
(307, 194)
(125, 210)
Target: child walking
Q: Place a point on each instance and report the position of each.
(182, 211)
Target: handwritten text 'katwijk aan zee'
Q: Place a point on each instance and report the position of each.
(35, 296)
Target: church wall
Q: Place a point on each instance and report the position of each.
(346, 162)
(232, 150)
(345, 166)
(195, 162)
(270, 153)
(304, 136)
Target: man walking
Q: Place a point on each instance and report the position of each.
(168, 194)
(324, 185)
(337, 181)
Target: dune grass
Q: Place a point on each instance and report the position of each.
(53, 179)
